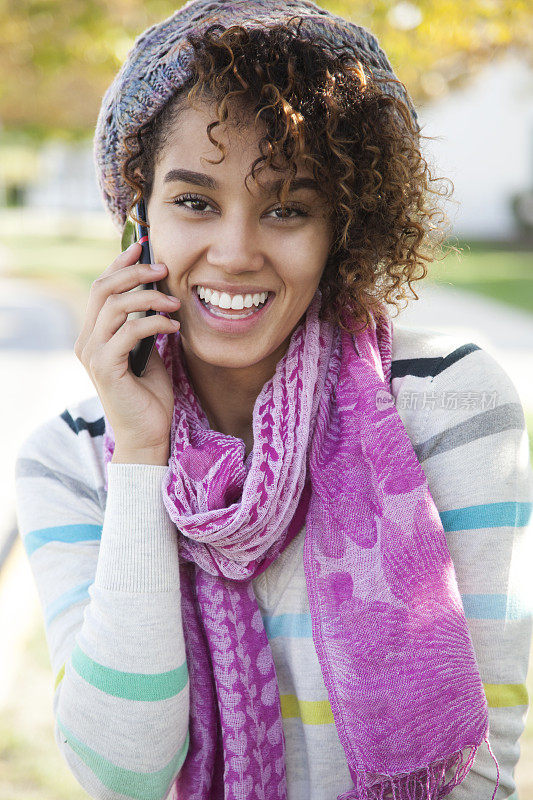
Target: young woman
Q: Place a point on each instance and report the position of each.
(282, 562)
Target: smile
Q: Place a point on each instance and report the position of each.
(235, 302)
(232, 320)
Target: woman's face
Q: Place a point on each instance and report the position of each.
(235, 241)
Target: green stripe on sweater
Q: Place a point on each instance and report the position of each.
(59, 677)
(137, 785)
(318, 712)
(127, 685)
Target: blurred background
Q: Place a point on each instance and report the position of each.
(468, 67)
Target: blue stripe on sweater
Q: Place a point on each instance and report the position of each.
(495, 606)
(298, 626)
(476, 606)
(488, 515)
(74, 596)
(61, 533)
(295, 626)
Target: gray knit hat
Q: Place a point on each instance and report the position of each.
(156, 67)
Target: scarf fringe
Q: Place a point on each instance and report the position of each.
(426, 784)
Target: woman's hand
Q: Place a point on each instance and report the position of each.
(139, 409)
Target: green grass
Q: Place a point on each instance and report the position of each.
(59, 259)
(501, 274)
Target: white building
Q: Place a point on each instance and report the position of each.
(68, 179)
(485, 146)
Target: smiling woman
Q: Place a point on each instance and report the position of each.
(279, 564)
(235, 243)
(357, 223)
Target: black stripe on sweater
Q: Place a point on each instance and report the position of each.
(95, 428)
(425, 367)
(422, 367)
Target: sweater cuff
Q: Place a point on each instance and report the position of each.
(139, 545)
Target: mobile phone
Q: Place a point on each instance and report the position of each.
(135, 231)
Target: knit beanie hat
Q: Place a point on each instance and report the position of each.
(157, 66)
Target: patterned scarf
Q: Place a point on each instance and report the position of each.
(388, 624)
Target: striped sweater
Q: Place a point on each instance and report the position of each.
(106, 571)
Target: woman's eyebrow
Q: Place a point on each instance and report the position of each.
(201, 179)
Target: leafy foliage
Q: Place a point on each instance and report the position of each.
(57, 57)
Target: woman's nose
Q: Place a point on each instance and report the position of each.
(234, 247)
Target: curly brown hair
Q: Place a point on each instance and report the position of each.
(322, 105)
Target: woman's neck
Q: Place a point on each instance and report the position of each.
(227, 395)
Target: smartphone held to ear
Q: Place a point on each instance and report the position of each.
(137, 232)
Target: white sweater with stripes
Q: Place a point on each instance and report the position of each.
(106, 570)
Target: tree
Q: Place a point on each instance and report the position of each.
(57, 57)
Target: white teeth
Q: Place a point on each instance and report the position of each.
(225, 300)
(237, 303)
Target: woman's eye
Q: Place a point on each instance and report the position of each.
(287, 213)
(190, 198)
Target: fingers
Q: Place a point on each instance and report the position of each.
(110, 332)
(114, 312)
(129, 256)
(121, 276)
(113, 355)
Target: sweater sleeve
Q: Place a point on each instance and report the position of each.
(107, 576)
(473, 447)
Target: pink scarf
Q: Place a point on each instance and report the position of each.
(388, 624)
